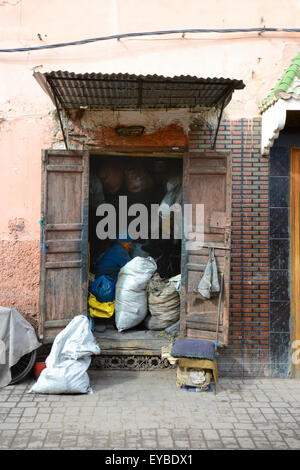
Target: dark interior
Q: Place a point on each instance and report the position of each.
(144, 181)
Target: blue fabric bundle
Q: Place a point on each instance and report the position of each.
(103, 288)
(195, 348)
(110, 262)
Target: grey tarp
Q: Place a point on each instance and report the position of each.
(17, 338)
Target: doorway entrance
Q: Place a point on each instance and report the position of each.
(142, 183)
(206, 182)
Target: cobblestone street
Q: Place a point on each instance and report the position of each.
(145, 410)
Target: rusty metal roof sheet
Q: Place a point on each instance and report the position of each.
(125, 91)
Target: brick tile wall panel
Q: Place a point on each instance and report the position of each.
(248, 352)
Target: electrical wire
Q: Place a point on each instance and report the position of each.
(151, 33)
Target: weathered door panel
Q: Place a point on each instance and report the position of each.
(207, 181)
(64, 268)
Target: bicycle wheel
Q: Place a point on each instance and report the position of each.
(22, 367)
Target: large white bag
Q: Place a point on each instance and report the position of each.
(131, 295)
(69, 360)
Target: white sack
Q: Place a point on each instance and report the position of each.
(172, 199)
(69, 360)
(131, 296)
(172, 196)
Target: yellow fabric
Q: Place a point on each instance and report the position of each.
(194, 363)
(100, 309)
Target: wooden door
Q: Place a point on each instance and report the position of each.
(64, 267)
(207, 181)
(295, 258)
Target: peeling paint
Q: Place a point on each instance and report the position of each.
(171, 136)
(13, 229)
(19, 277)
(152, 120)
(168, 128)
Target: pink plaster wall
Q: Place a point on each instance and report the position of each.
(19, 277)
(26, 122)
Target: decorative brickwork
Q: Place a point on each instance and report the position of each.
(248, 350)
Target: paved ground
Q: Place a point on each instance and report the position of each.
(145, 410)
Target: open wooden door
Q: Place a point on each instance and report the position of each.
(207, 181)
(64, 266)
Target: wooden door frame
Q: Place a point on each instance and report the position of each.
(294, 256)
(132, 151)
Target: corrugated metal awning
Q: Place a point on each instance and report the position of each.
(124, 91)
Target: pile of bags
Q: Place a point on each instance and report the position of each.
(111, 175)
(139, 289)
(114, 175)
(137, 179)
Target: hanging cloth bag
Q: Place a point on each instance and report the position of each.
(209, 282)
